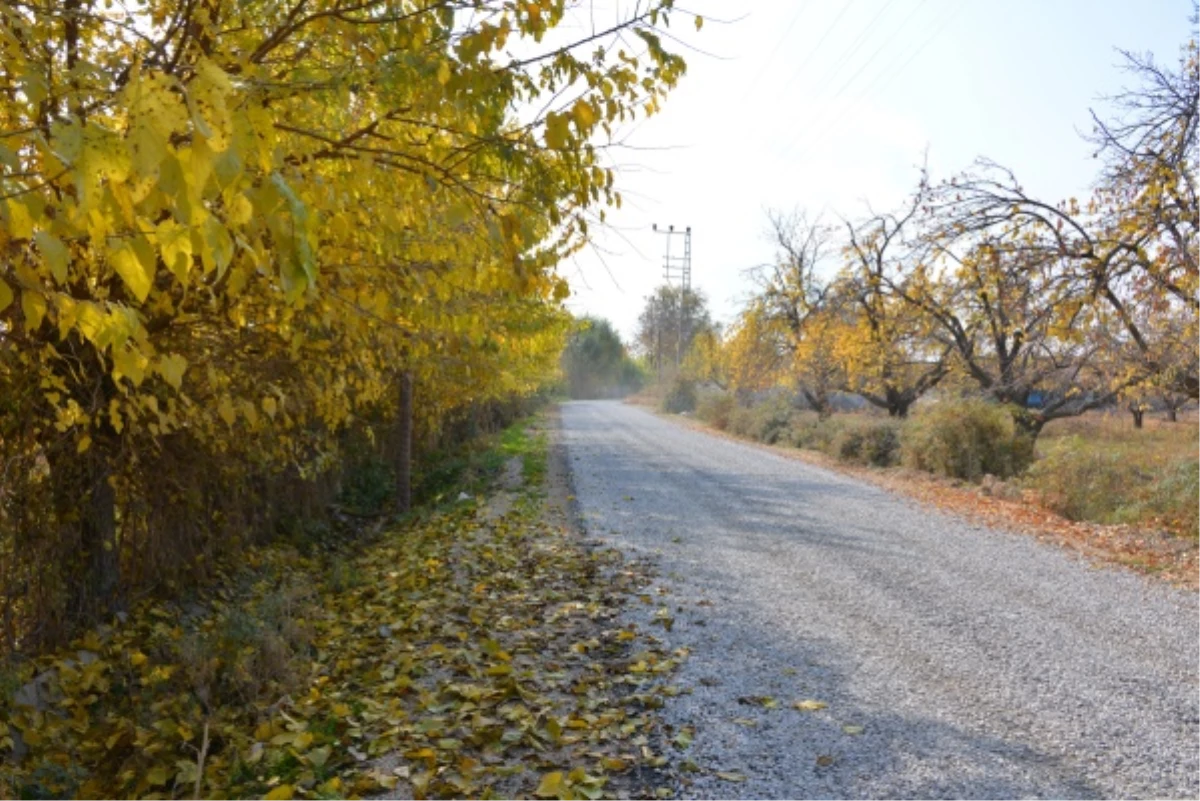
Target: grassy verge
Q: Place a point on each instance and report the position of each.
(451, 655)
(1104, 470)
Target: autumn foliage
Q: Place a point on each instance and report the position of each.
(974, 287)
(230, 231)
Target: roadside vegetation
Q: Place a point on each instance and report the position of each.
(457, 652)
(259, 260)
(1096, 468)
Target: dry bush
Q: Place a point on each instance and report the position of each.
(716, 409)
(1099, 467)
(966, 439)
(867, 440)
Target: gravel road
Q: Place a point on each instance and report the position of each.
(954, 660)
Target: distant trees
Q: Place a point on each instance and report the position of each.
(596, 363)
(670, 322)
(1051, 308)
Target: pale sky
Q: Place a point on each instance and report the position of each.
(822, 105)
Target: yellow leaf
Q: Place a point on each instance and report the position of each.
(175, 245)
(809, 705)
(585, 115)
(283, 792)
(54, 253)
(84, 443)
(20, 224)
(443, 73)
(557, 132)
(33, 306)
(6, 295)
(137, 659)
(157, 776)
(551, 785)
(172, 368)
(226, 410)
(137, 274)
(241, 210)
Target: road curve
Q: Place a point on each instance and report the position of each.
(955, 661)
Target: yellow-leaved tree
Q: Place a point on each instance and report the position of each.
(235, 230)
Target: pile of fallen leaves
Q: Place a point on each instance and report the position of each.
(455, 656)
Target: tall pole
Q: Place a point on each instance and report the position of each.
(677, 267)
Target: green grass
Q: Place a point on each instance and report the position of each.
(474, 466)
(1099, 468)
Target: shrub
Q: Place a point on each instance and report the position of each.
(881, 443)
(715, 408)
(865, 441)
(1080, 483)
(367, 486)
(768, 421)
(966, 439)
(1104, 484)
(1174, 497)
(680, 397)
(809, 431)
(847, 445)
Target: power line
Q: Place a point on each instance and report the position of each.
(820, 42)
(806, 134)
(889, 74)
(775, 50)
(856, 44)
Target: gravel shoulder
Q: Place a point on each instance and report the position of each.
(953, 660)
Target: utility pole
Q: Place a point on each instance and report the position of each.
(677, 268)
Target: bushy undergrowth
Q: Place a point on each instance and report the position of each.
(1094, 468)
(680, 397)
(1081, 481)
(860, 439)
(869, 441)
(966, 439)
(768, 422)
(716, 409)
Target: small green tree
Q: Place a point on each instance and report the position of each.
(596, 363)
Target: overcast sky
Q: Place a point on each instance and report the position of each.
(824, 105)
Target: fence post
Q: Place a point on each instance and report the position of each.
(404, 457)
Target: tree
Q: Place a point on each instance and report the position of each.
(230, 230)
(1131, 247)
(1018, 328)
(754, 352)
(795, 301)
(596, 363)
(670, 321)
(890, 356)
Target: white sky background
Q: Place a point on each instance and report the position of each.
(823, 105)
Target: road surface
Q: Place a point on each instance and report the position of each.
(954, 661)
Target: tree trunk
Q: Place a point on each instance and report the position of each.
(84, 488)
(1028, 423)
(404, 454)
(1138, 415)
(1172, 415)
(99, 540)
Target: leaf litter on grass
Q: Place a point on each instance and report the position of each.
(465, 658)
